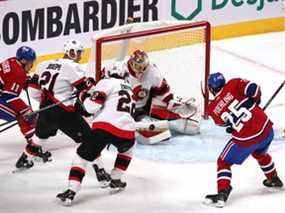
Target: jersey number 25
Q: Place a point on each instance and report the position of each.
(237, 116)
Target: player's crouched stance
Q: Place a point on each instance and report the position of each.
(236, 107)
(13, 79)
(111, 101)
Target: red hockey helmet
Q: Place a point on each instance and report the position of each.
(139, 62)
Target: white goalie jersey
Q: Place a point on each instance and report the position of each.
(152, 81)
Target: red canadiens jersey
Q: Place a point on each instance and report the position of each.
(12, 76)
(248, 123)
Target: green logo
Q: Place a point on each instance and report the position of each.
(179, 14)
(188, 11)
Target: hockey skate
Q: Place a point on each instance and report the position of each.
(218, 200)
(102, 176)
(43, 157)
(117, 186)
(38, 153)
(274, 183)
(66, 197)
(23, 163)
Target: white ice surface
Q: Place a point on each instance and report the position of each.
(170, 177)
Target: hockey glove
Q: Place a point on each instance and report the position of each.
(81, 109)
(229, 130)
(229, 127)
(184, 108)
(83, 95)
(29, 117)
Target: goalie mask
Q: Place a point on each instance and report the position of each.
(139, 63)
(73, 49)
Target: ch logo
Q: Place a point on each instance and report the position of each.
(183, 10)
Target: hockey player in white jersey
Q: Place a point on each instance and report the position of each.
(112, 105)
(155, 99)
(56, 82)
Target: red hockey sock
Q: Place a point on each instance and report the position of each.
(266, 164)
(224, 175)
(122, 161)
(75, 178)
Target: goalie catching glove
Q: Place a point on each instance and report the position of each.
(184, 108)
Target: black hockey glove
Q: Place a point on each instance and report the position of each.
(229, 127)
(229, 130)
(81, 109)
(83, 95)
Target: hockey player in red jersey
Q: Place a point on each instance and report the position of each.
(236, 107)
(13, 79)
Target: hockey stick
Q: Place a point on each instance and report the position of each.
(36, 112)
(274, 95)
(203, 92)
(5, 123)
(50, 106)
(28, 97)
(8, 127)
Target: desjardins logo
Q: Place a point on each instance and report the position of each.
(198, 5)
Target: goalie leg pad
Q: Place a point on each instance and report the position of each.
(152, 132)
(185, 126)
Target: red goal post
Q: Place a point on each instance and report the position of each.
(158, 39)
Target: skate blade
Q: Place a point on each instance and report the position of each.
(209, 202)
(64, 203)
(116, 190)
(104, 184)
(40, 160)
(274, 189)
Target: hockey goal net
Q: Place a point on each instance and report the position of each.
(181, 51)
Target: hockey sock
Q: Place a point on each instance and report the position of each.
(77, 173)
(121, 164)
(98, 161)
(224, 175)
(266, 164)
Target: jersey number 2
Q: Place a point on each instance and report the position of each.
(236, 117)
(48, 80)
(124, 102)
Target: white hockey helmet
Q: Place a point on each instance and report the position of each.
(115, 70)
(74, 45)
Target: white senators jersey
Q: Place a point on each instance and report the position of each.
(151, 80)
(112, 106)
(58, 79)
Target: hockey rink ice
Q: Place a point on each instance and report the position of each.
(172, 177)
